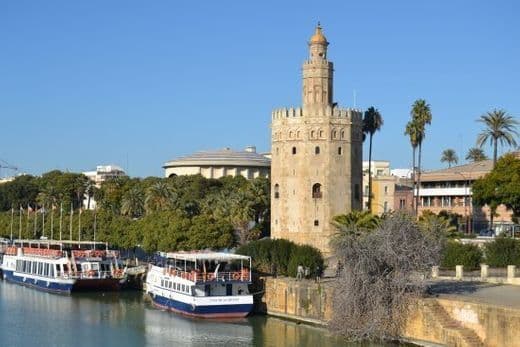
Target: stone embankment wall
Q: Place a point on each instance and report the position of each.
(445, 322)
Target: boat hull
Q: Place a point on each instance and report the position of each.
(202, 311)
(101, 284)
(47, 285)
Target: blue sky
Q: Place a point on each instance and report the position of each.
(139, 82)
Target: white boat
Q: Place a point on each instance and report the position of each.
(201, 284)
(62, 266)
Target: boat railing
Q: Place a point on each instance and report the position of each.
(92, 274)
(201, 277)
(38, 252)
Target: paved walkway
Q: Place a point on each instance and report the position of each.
(492, 294)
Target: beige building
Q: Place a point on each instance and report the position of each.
(103, 173)
(450, 190)
(220, 163)
(316, 157)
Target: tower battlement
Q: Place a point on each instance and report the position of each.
(353, 114)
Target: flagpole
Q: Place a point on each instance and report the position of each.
(43, 216)
(35, 219)
(27, 224)
(12, 218)
(71, 214)
(61, 216)
(95, 222)
(79, 225)
(20, 224)
(52, 221)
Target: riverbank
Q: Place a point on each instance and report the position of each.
(457, 314)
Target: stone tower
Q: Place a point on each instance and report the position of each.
(316, 168)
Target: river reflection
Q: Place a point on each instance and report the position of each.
(32, 318)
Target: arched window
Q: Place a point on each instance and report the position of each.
(334, 134)
(317, 150)
(294, 150)
(298, 134)
(276, 191)
(321, 133)
(340, 150)
(312, 134)
(172, 175)
(277, 150)
(342, 134)
(291, 134)
(316, 191)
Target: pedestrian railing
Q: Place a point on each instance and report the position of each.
(486, 274)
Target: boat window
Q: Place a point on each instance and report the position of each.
(46, 272)
(162, 283)
(183, 288)
(78, 267)
(52, 271)
(178, 286)
(40, 266)
(171, 284)
(65, 268)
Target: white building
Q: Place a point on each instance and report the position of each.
(100, 175)
(220, 163)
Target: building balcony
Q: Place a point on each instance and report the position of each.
(444, 191)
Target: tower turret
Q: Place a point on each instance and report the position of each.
(317, 73)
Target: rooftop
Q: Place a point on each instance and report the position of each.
(204, 255)
(223, 157)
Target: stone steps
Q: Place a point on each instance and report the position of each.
(454, 333)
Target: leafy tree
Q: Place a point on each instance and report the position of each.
(476, 154)
(439, 224)
(372, 123)
(499, 127)
(500, 186)
(449, 156)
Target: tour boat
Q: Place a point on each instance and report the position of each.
(62, 266)
(4, 243)
(201, 284)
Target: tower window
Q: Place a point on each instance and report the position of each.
(340, 150)
(312, 134)
(334, 134)
(277, 150)
(317, 150)
(342, 134)
(316, 222)
(316, 191)
(294, 150)
(321, 133)
(276, 191)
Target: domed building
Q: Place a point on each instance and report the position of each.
(220, 163)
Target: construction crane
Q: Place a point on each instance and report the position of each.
(6, 165)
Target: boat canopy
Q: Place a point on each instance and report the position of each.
(204, 256)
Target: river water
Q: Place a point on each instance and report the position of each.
(30, 318)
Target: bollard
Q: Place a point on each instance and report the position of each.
(484, 271)
(435, 271)
(511, 272)
(459, 272)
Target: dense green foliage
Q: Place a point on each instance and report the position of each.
(500, 186)
(179, 213)
(503, 251)
(456, 253)
(282, 257)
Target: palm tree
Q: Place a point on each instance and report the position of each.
(476, 154)
(413, 133)
(132, 204)
(499, 127)
(449, 156)
(421, 116)
(372, 122)
(160, 197)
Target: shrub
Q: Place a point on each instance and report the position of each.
(456, 253)
(307, 256)
(282, 256)
(503, 251)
